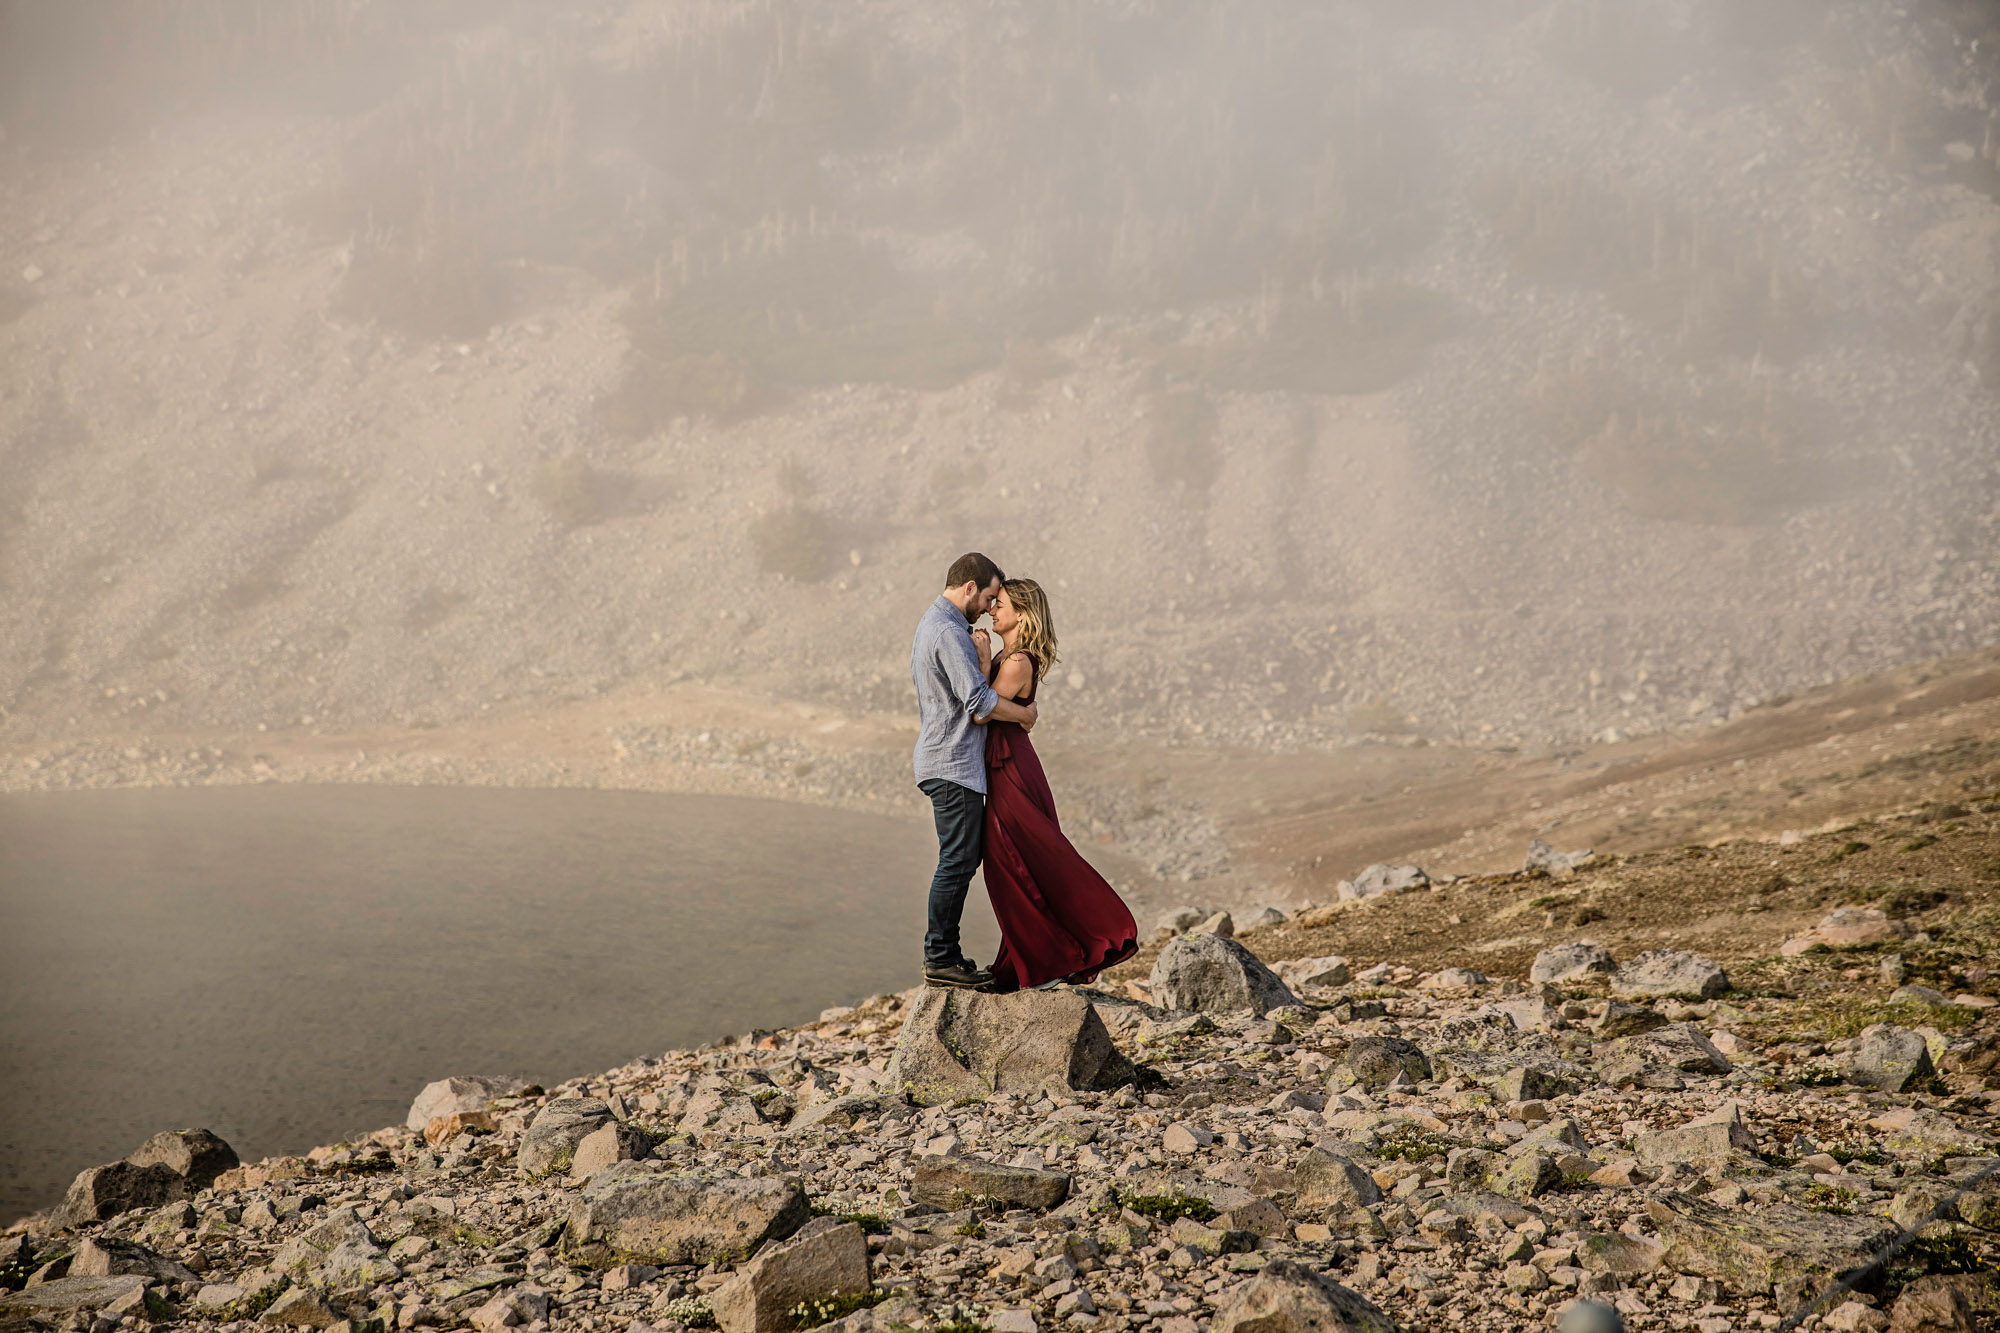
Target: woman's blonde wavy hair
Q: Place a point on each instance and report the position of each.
(1038, 629)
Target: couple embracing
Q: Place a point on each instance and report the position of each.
(1059, 920)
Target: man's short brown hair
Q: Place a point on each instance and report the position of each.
(972, 567)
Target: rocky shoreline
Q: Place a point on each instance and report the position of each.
(1220, 1149)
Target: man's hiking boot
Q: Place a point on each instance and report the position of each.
(961, 975)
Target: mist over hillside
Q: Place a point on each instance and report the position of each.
(1485, 373)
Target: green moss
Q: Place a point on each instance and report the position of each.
(1166, 1208)
(1830, 1199)
(1918, 843)
(975, 1229)
(960, 1326)
(826, 1309)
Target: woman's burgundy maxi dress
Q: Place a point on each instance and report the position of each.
(1059, 919)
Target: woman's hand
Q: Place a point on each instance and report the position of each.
(982, 643)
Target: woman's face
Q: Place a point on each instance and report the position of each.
(1005, 617)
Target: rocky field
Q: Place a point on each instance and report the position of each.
(1408, 1134)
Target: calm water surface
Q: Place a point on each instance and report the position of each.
(289, 965)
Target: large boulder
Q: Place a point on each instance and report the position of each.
(197, 1156)
(1666, 973)
(1570, 962)
(1779, 1246)
(640, 1211)
(464, 1094)
(826, 1258)
(958, 1043)
(100, 1192)
(548, 1145)
(1216, 975)
(1286, 1297)
(1890, 1058)
(956, 1182)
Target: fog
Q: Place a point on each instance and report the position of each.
(1503, 372)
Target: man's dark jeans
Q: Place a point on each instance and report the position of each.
(960, 813)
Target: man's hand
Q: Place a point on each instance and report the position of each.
(1028, 722)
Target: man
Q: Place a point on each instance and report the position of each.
(955, 703)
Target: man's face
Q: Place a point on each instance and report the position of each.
(981, 601)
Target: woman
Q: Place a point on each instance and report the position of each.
(1059, 919)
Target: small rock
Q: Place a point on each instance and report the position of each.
(1854, 927)
(1262, 918)
(1546, 860)
(445, 1128)
(1710, 1140)
(1329, 970)
(1934, 1304)
(825, 1258)
(640, 1211)
(1285, 1297)
(1619, 1019)
(1329, 1180)
(1382, 881)
(1013, 1321)
(615, 1142)
(299, 1307)
(1855, 1317)
(1184, 1139)
(1890, 1058)
(624, 1277)
(1374, 1062)
(1220, 924)
(548, 1145)
(956, 1182)
(1527, 1176)
(1669, 972)
(1616, 1252)
(450, 1096)
(1216, 975)
(1179, 920)
(1570, 962)
(1454, 978)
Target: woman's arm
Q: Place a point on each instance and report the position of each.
(1016, 672)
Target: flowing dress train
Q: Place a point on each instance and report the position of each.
(1059, 919)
